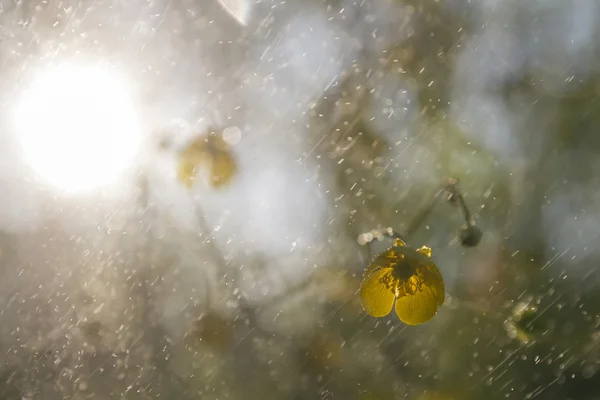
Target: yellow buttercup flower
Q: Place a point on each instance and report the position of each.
(407, 277)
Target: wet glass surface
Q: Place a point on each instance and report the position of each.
(194, 195)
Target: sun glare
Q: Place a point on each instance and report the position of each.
(78, 127)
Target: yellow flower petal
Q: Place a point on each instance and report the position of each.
(399, 243)
(387, 259)
(223, 168)
(425, 251)
(421, 296)
(189, 160)
(186, 172)
(377, 294)
(417, 308)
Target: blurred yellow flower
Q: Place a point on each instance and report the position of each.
(213, 153)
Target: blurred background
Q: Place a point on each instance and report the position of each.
(310, 123)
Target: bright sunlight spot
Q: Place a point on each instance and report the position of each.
(78, 127)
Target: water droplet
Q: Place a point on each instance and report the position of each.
(232, 135)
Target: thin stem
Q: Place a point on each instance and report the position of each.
(454, 195)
